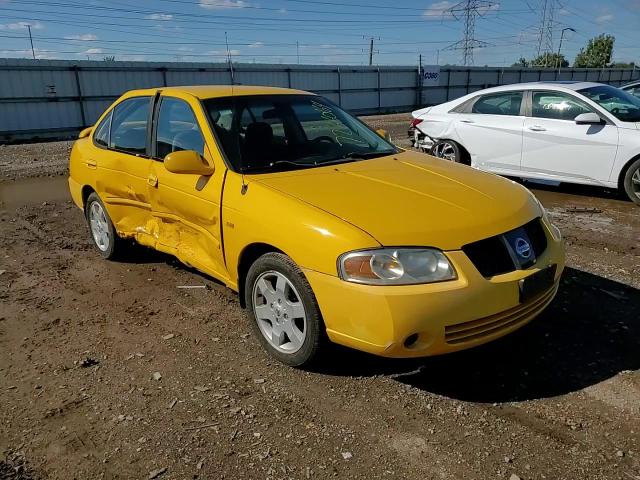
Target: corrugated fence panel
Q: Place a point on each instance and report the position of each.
(315, 80)
(262, 77)
(37, 83)
(25, 116)
(197, 78)
(116, 82)
(59, 97)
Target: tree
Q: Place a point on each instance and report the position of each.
(549, 60)
(111, 58)
(597, 53)
(522, 62)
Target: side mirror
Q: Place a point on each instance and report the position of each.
(187, 161)
(384, 134)
(589, 118)
(85, 133)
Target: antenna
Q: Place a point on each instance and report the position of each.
(33, 52)
(230, 62)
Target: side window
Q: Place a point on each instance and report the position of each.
(129, 125)
(177, 128)
(557, 105)
(503, 103)
(101, 135)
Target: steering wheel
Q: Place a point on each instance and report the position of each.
(324, 138)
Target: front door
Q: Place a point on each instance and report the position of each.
(556, 148)
(185, 207)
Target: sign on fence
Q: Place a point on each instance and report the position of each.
(431, 75)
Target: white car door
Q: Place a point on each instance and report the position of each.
(490, 128)
(556, 148)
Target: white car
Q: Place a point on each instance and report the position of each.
(633, 88)
(576, 132)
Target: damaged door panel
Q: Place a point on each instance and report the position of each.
(185, 206)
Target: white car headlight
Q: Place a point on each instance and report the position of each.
(395, 266)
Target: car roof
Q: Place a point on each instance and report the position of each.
(570, 85)
(219, 91)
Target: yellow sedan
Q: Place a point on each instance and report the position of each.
(325, 229)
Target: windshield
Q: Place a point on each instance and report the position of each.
(262, 133)
(622, 105)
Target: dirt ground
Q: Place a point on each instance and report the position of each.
(109, 370)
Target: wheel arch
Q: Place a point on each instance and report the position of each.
(248, 255)
(623, 172)
(466, 156)
(86, 191)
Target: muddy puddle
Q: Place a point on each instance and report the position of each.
(33, 191)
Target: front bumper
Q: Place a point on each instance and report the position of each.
(446, 316)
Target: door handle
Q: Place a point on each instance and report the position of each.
(466, 121)
(91, 163)
(152, 180)
(537, 128)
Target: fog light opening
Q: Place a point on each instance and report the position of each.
(411, 340)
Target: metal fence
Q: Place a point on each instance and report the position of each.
(57, 98)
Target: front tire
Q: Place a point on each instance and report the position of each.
(447, 150)
(632, 182)
(101, 228)
(283, 310)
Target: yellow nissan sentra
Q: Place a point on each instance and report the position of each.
(324, 228)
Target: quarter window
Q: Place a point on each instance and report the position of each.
(557, 105)
(101, 137)
(129, 125)
(503, 103)
(177, 128)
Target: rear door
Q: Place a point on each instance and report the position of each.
(123, 163)
(490, 128)
(186, 207)
(556, 148)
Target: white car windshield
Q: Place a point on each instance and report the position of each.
(622, 105)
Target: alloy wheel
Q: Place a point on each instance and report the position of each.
(99, 226)
(279, 312)
(635, 183)
(446, 151)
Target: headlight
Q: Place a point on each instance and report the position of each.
(395, 266)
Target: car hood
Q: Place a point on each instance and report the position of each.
(412, 199)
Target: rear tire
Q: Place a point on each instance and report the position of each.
(101, 228)
(631, 182)
(447, 150)
(283, 310)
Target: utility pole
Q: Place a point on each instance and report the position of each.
(298, 51)
(469, 10)
(545, 31)
(33, 52)
(371, 51)
(560, 47)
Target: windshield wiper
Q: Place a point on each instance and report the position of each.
(366, 155)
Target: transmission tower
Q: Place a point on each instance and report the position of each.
(545, 31)
(469, 10)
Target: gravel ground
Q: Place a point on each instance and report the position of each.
(108, 370)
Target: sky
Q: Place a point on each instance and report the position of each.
(306, 31)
